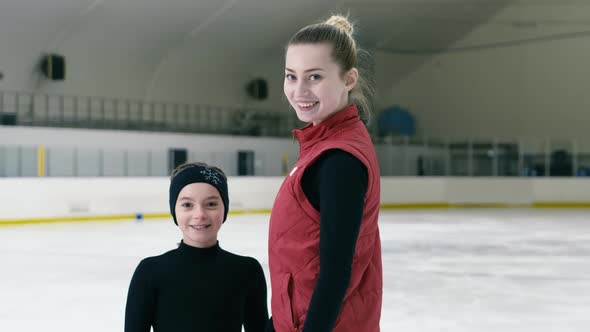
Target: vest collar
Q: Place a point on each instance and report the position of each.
(310, 133)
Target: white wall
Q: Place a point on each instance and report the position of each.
(215, 149)
(33, 198)
(531, 90)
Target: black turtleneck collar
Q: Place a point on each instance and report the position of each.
(196, 252)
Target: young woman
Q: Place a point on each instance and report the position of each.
(198, 286)
(324, 245)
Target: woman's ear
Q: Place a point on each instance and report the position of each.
(351, 78)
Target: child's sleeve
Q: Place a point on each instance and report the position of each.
(140, 300)
(255, 308)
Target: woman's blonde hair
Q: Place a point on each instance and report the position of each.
(338, 32)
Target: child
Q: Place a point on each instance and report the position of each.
(197, 286)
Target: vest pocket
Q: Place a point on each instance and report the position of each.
(286, 299)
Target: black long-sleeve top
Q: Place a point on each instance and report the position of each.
(196, 289)
(335, 185)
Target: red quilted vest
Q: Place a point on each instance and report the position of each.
(294, 233)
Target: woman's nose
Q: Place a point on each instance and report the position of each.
(301, 89)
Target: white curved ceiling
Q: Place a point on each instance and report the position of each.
(149, 33)
(245, 30)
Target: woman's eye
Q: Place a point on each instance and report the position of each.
(315, 77)
(186, 205)
(290, 77)
(212, 204)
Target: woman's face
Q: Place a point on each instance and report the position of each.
(314, 84)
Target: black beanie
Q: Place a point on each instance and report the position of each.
(197, 173)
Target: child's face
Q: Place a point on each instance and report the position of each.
(199, 213)
(314, 84)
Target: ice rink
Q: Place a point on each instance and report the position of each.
(470, 270)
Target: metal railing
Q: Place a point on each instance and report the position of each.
(398, 156)
(406, 158)
(48, 110)
(403, 156)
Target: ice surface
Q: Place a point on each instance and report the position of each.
(444, 270)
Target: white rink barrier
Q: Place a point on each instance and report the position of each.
(34, 200)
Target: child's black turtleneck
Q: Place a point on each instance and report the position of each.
(197, 289)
